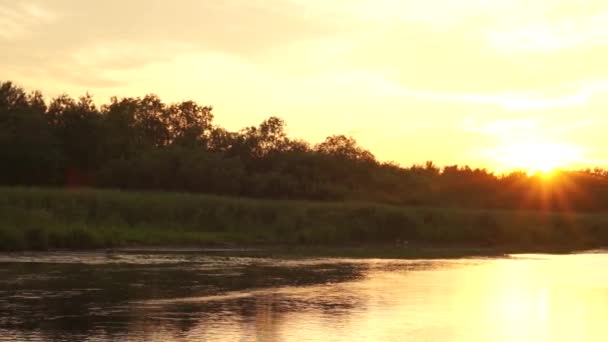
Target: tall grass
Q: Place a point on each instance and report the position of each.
(34, 218)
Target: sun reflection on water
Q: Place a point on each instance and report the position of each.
(522, 298)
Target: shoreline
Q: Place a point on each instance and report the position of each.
(287, 252)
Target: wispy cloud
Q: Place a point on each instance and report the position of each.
(576, 94)
(550, 35)
(452, 12)
(16, 20)
(540, 99)
(528, 128)
(504, 128)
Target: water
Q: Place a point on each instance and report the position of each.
(191, 297)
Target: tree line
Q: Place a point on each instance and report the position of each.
(143, 143)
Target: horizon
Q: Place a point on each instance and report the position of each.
(478, 87)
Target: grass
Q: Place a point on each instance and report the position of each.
(39, 219)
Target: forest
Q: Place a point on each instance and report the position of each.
(143, 143)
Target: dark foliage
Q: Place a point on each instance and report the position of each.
(146, 144)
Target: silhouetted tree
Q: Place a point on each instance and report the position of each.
(28, 150)
(143, 143)
(78, 127)
(344, 147)
(188, 123)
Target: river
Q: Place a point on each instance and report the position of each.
(195, 297)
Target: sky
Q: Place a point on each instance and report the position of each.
(501, 84)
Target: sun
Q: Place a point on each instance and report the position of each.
(536, 157)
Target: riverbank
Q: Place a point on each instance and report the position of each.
(379, 251)
(270, 252)
(42, 219)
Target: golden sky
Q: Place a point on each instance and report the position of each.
(497, 83)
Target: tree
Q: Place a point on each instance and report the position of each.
(28, 150)
(143, 143)
(78, 128)
(122, 137)
(151, 120)
(345, 147)
(189, 124)
(269, 137)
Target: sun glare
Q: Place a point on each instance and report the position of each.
(536, 157)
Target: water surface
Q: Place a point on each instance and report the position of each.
(194, 297)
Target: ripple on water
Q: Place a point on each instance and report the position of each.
(146, 297)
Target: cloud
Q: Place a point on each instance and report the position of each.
(17, 20)
(437, 13)
(578, 94)
(529, 127)
(230, 26)
(550, 36)
(409, 43)
(504, 128)
(83, 38)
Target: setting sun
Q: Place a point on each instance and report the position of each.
(536, 157)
